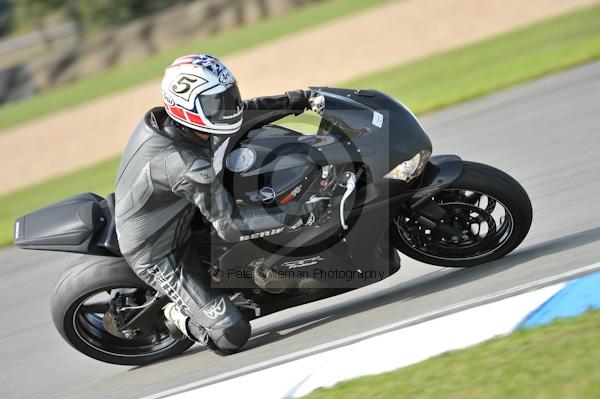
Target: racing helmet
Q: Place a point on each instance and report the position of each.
(199, 92)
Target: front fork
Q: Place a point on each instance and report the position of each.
(440, 172)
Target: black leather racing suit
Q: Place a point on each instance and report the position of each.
(165, 173)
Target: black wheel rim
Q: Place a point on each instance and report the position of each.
(88, 322)
(485, 224)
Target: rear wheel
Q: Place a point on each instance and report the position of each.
(488, 215)
(90, 304)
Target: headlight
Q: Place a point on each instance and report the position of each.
(408, 170)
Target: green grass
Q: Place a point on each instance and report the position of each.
(423, 85)
(472, 71)
(98, 178)
(559, 360)
(126, 76)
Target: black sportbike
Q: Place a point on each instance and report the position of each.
(370, 157)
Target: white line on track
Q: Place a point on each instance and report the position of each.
(394, 326)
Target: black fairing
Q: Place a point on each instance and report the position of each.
(81, 224)
(350, 118)
(281, 164)
(348, 134)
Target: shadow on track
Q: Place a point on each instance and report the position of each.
(422, 286)
(430, 283)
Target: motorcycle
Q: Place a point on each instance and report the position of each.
(387, 195)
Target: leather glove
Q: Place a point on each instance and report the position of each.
(306, 99)
(317, 102)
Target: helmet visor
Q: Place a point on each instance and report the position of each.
(223, 108)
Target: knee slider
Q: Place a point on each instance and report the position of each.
(232, 338)
(226, 326)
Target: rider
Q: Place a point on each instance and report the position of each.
(171, 166)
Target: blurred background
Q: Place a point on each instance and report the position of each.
(46, 43)
(76, 76)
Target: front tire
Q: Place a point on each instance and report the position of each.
(82, 324)
(474, 197)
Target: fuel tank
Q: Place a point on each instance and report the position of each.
(270, 166)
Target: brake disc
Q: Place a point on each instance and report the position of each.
(110, 323)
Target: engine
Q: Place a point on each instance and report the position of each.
(277, 280)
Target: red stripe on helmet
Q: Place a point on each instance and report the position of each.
(185, 115)
(180, 63)
(195, 118)
(178, 112)
(184, 60)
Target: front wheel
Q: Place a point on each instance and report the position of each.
(487, 212)
(89, 303)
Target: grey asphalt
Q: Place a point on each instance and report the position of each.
(545, 133)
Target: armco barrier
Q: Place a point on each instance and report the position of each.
(15, 83)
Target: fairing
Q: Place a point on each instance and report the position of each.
(382, 130)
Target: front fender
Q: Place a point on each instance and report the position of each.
(439, 173)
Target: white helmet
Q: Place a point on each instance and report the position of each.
(199, 92)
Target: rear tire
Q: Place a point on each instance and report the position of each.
(488, 181)
(90, 275)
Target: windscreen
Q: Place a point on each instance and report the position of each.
(343, 116)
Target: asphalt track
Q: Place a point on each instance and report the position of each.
(545, 133)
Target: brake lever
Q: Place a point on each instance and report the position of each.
(350, 186)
